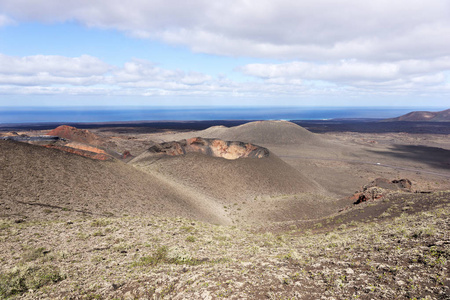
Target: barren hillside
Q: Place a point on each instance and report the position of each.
(438, 116)
(37, 181)
(231, 180)
(264, 132)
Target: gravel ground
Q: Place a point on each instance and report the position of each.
(392, 256)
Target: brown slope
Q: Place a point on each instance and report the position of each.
(263, 132)
(442, 116)
(291, 143)
(229, 180)
(36, 180)
(420, 116)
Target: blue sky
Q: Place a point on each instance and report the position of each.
(230, 53)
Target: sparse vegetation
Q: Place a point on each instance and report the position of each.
(162, 255)
(100, 223)
(191, 239)
(117, 237)
(21, 279)
(33, 254)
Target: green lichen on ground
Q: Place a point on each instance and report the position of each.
(404, 256)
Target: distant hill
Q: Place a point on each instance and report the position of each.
(420, 116)
(263, 132)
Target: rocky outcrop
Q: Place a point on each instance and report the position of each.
(70, 139)
(394, 185)
(127, 155)
(78, 141)
(379, 188)
(81, 152)
(85, 147)
(77, 135)
(211, 147)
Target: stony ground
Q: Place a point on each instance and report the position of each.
(397, 253)
(397, 247)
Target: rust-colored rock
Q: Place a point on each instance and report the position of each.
(89, 154)
(126, 154)
(211, 147)
(75, 134)
(85, 147)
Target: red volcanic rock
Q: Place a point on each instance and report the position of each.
(85, 147)
(372, 193)
(126, 154)
(75, 134)
(211, 147)
(81, 152)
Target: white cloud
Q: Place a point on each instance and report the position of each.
(84, 65)
(354, 72)
(5, 20)
(283, 29)
(87, 75)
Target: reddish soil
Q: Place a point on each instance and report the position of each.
(75, 134)
(86, 153)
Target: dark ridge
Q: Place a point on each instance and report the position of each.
(316, 126)
(141, 126)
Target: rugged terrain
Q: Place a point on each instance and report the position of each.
(393, 249)
(429, 116)
(206, 217)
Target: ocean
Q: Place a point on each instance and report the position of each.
(117, 114)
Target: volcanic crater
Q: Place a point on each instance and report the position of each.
(211, 147)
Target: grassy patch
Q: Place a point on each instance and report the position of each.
(100, 223)
(191, 239)
(162, 255)
(34, 254)
(4, 224)
(20, 280)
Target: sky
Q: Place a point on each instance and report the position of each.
(225, 53)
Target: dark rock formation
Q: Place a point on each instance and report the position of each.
(33, 139)
(402, 184)
(211, 147)
(126, 154)
(379, 188)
